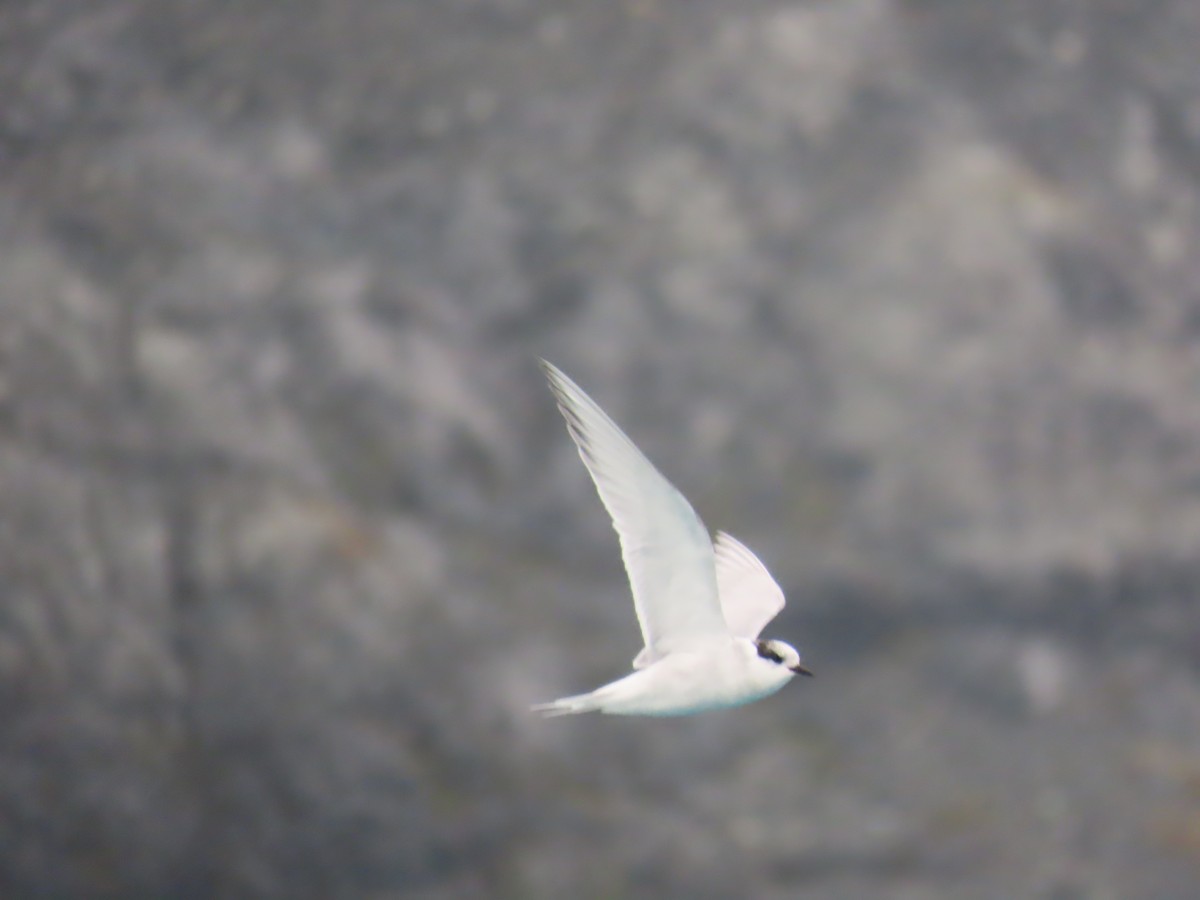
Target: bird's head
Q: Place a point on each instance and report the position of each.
(782, 654)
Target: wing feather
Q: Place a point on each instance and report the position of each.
(666, 548)
(749, 596)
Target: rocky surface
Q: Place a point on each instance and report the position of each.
(904, 294)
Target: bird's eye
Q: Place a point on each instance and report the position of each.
(767, 652)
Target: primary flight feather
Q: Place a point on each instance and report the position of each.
(700, 605)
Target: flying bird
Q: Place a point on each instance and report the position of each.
(701, 602)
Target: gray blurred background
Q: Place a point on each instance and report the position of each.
(904, 293)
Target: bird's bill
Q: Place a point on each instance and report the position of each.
(800, 670)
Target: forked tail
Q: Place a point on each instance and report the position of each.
(568, 706)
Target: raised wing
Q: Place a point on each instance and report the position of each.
(749, 596)
(665, 546)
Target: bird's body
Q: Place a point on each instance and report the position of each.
(701, 604)
(713, 673)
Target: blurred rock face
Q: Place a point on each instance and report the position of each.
(902, 293)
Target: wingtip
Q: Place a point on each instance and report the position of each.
(559, 382)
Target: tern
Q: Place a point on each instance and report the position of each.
(701, 602)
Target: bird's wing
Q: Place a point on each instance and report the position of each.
(665, 546)
(749, 596)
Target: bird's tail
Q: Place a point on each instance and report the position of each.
(569, 706)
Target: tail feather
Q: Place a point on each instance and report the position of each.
(568, 706)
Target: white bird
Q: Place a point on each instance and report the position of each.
(701, 604)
